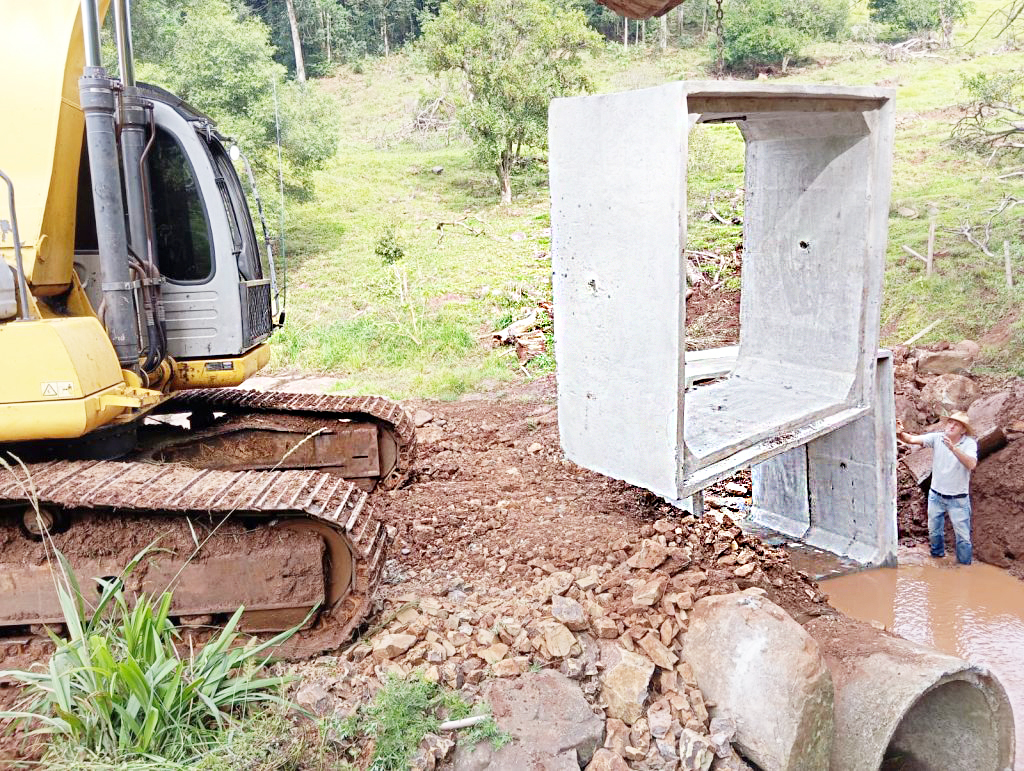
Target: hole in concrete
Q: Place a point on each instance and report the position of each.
(805, 245)
(950, 726)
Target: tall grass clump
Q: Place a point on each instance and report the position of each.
(116, 689)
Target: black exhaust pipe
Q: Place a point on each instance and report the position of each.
(97, 97)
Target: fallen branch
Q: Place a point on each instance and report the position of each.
(698, 253)
(722, 262)
(466, 722)
(913, 253)
(967, 231)
(516, 328)
(482, 231)
(715, 214)
(694, 275)
(923, 332)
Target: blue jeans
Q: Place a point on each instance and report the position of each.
(959, 511)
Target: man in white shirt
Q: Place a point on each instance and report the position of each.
(955, 454)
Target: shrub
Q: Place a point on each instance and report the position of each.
(403, 711)
(910, 17)
(388, 246)
(770, 32)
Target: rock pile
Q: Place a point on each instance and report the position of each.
(934, 381)
(615, 629)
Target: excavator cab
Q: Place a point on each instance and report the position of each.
(216, 284)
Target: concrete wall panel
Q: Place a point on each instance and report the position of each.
(618, 187)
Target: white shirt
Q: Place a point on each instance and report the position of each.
(949, 475)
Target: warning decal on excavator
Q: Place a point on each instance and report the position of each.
(58, 388)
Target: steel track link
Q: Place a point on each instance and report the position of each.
(385, 413)
(317, 500)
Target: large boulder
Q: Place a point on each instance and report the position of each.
(762, 670)
(551, 725)
(987, 416)
(949, 393)
(959, 358)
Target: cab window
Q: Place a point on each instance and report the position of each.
(182, 230)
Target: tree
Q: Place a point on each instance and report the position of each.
(221, 61)
(514, 57)
(909, 17)
(771, 32)
(994, 123)
(293, 25)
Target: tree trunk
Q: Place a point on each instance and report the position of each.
(663, 34)
(508, 157)
(946, 23)
(293, 22)
(384, 34)
(505, 182)
(679, 23)
(643, 32)
(625, 32)
(327, 37)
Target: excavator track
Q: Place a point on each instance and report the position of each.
(250, 410)
(314, 540)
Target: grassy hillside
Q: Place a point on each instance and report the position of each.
(420, 325)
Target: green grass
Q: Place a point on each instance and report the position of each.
(420, 327)
(405, 710)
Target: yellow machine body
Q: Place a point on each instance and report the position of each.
(66, 382)
(219, 373)
(62, 377)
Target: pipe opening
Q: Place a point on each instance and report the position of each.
(950, 726)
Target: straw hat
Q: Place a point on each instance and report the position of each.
(962, 419)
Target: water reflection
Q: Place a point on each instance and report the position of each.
(975, 612)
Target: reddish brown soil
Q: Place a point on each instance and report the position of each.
(493, 505)
(998, 501)
(712, 316)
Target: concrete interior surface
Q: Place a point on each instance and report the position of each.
(818, 161)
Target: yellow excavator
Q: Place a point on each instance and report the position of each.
(134, 296)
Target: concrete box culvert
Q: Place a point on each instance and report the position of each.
(904, 703)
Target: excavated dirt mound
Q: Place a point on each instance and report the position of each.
(997, 493)
(493, 505)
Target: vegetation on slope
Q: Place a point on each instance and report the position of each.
(470, 265)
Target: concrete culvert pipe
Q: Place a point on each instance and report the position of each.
(901, 705)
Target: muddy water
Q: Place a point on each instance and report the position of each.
(975, 612)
